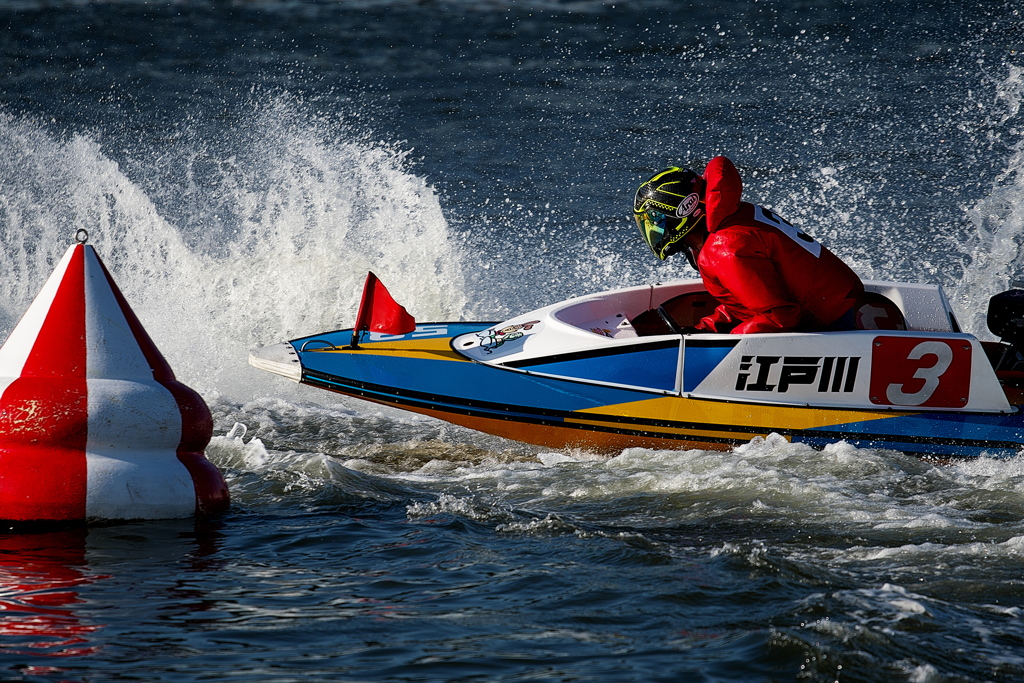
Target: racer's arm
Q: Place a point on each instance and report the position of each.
(720, 320)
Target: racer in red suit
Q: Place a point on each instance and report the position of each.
(767, 275)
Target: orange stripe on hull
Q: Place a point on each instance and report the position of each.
(554, 436)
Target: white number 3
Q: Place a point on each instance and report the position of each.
(930, 374)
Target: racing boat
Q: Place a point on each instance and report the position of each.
(618, 369)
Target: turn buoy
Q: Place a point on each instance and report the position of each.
(93, 423)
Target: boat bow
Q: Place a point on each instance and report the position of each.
(280, 359)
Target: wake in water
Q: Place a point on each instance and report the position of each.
(852, 504)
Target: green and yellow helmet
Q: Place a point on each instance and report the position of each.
(668, 207)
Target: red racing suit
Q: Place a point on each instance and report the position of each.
(767, 275)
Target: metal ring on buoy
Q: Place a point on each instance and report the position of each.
(81, 236)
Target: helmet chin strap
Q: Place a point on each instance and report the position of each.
(691, 256)
(692, 244)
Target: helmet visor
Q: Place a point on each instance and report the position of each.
(660, 230)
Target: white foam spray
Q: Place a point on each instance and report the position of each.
(995, 249)
(266, 238)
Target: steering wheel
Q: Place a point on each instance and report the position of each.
(672, 324)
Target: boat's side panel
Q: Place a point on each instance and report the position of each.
(455, 383)
(859, 369)
(652, 366)
(426, 376)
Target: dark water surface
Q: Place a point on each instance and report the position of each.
(240, 166)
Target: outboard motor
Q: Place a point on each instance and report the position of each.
(1006, 320)
(1006, 315)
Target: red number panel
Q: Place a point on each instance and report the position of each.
(915, 371)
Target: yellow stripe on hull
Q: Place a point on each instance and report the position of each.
(428, 349)
(679, 409)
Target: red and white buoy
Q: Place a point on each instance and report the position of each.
(93, 423)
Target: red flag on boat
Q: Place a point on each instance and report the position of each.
(378, 312)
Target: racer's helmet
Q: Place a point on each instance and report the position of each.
(668, 207)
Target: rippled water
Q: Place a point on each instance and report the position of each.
(240, 167)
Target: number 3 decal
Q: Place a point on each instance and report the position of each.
(910, 371)
(929, 373)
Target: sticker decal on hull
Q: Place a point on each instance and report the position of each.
(492, 339)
